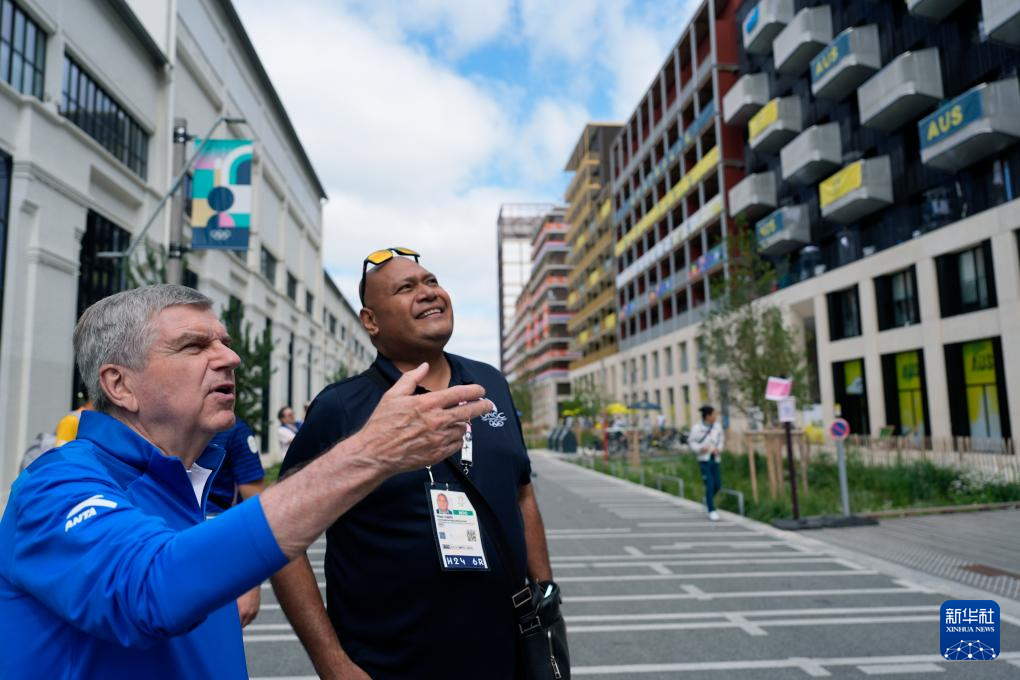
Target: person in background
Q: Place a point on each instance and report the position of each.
(239, 478)
(67, 428)
(706, 440)
(288, 428)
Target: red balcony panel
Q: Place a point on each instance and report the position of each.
(726, 39)
(733, 143)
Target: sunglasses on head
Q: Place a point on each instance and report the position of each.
(378, 257)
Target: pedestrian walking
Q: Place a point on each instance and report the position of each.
(706, 440)
(421, 549)
(109, 568)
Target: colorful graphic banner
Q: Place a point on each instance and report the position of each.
(853, 377)
(950, 118)
(830, 56)
(221, 195)
(767, 227)
(908, 387)
(842, 183)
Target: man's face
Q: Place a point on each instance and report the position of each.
(442, 502)
(406, 308)
(188, 381)
(288, 416)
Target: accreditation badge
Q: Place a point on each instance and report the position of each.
(456, 529)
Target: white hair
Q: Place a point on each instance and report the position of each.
(118, 330)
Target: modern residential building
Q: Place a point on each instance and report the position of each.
(89, 90)
(882, 172)
(672, 165)
(536, 348)
(592, 276)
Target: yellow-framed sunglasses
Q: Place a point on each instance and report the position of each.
(381, 256)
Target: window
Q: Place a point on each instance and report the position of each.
(343, 333)
(966, 281)
(190, 279)
(309, 302)
(332, 325)
(852, 394)
(267, 265)
(644, 367)
(896, 295)
(668, 360)
(975, 371)
(683, 357)
(844, 314)
(22, 50)
(905, 394)
(292, 286)
(655, 364)
(86, 104)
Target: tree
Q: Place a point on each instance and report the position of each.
(252, 376)
(586, 401)
(341, 373)
(520, 392)
(745, 338)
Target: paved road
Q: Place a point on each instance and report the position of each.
(653, 590)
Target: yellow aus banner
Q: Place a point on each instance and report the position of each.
(768, 115)
(604, 210)
(842, 183)
(594, 277)
(610, 321)
(979, 363)
(908, 371)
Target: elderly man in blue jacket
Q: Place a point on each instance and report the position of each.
(107, 565)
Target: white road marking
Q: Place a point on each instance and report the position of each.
(659, 568)
(689, 534)
(567, 560)
(750, 614)
(631, 550)
(785, 623)
(721, 544)
(692, 592)
(892, 669)
(714, 575)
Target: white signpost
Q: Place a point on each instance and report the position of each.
(787, 410)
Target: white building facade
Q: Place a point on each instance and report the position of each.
(89, 90)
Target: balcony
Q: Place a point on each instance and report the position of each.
(778, 122)
(900, 92)
(934, 9)
(978, 123)
(1002, 20)
(802, 39)
(846, 62)
(763, 24)
(857, 190)
(754, 195)
(743, 100)
(784, 231)
(815, 153)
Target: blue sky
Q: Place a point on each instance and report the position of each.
(423, 116)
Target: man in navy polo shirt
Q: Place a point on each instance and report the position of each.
(386, 585)
(240, 477)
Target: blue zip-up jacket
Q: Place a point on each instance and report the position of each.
(108, 569)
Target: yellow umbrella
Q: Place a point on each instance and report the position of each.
(616, 409)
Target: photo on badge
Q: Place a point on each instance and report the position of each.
(456, 529)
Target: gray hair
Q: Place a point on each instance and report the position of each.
(118, 330)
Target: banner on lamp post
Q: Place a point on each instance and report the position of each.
(778, 389)
(221, 195)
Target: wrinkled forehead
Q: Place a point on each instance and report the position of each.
(182, 320)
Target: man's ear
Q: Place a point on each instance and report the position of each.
(367, 317)
(115, 383)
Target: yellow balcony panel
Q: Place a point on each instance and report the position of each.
(857, 190)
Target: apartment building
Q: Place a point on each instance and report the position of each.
(671, 165)
(89, 90)
(346, 348)
(882, 171)
(536, 348)
(592, 275)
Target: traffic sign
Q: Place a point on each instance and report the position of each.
(839, 430)
(787, 410)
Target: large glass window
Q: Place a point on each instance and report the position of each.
(292, 286)
(86, 104)
(966, 281)
(98, 277)
(844, 314)
(906, 403)
(852, 394)
(267, 265)
(22, 50)
(897, 300)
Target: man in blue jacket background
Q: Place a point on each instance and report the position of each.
(107, 565)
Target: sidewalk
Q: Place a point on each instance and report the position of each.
(977, 549)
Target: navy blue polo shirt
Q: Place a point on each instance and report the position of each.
(241, 465)
(396, 612)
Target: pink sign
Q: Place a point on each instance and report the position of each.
(778, 388)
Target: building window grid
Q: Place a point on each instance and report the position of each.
(22, 50)
(86, 104)
(309, 302)
(904, 299)
(973, 279)
(267, 265)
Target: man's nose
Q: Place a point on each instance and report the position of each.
(228, 358)
(426, 293)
